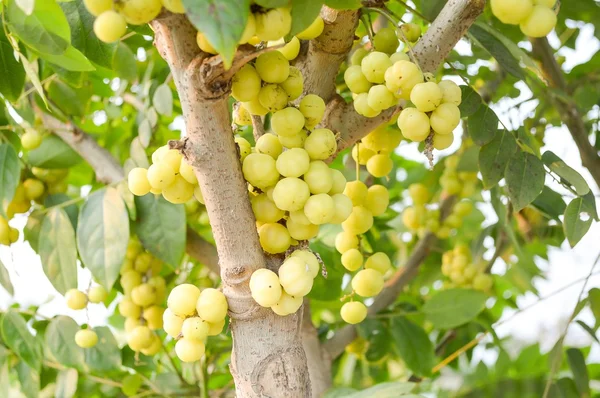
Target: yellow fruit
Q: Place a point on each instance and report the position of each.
(265, 209)
(362, 154)
(188, 350)
(86, 338)
(512, 11)
(212, 305)
(154, 346)
(380, 165)
(296, 141)
(97, 294)
(345, 241)
(139, 12)
(272, 67)
(195, 328)
(249, 30)
(426, 96)
(143, 295)
(352, 260)
(451, 93)
(377, 200)
(204, 44)
(110, 26)
(419, 193)
(129, 280)
(137, 181)
(356, 80)
(140, 338)
(294, 84)
(97, 7)
(353, 312)
(441, 141)
(291, 194)
(129, 309)
(380, 98)
(367, 283)
(159, 154)
(293, 162)
(272, 97)
(142, 262)
(13, 235)
(76, 299)
(254, 107)
(268, 144)
(216, 328)
(361, 106)
(445, 118)
(483, 282)
(318, 177)
(374, 65)
(313, 108)
(287, 305)
(310, 260)
(32, 139)
(295, 277)
(291, 49)
(338, 182)
(154, 317)
(399, 56)
(175, 6)
(132, 323)
(414, 124)
(401, 77)
(241, 116)
(411, 31)
(265, 287)
(380, 262)
(359, 222)
(319, 209)
(342, 208)
(314, 30)
(274, 238)
(273, 24)
(172, 323)
(301, 231)
(320, 144)
(180, 191)
(244, 146)
(540, 22)
(160, 175)
(356, 191)
(245, 84)
(34, 188)
(260, 170)
(182, 300)
(287, 122)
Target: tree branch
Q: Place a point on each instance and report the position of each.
(567, 107)
(344, 336)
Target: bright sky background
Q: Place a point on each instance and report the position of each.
(543, 323)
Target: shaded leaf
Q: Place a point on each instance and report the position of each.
(32, 229)
(494, 156)
(221, 21)
(454, 307)
(497, 49)
(468, 160)
(104, 356)
(60, 340)
(524, 178)
(123, 62)
(128, 199)
(483, 125)
(29, 380)
(471, 101)
(53, 153)
(58, 251)
(577, 221)
(72, 60)
(550, 203)
(579, 369)
(344, 4)
(566, 173)
(588, 329)
(19, 339)
(10, 171)
(304, 13)
(72, 210)
(413, 345)
(161, 227)
(594, 300)
(102, 236)
(9, 66)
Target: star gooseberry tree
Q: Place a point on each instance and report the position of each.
(228, 173)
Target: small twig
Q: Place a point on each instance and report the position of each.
(177, 370)
(258, 127)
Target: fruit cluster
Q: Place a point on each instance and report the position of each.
(283, 292)
(112, 17)
(144, 293)
(536, 18)
(458, 267)
(454, 182)
(435, 110)
(78, 300)
(193, 315)
(169, 175)
(367, 203)
(421, 219)
(374, 150)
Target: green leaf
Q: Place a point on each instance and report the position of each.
(26, 5)
(344, 4)
(4, 377)
(32, 229)
(588, 329)
(102, 236)
(5, 280)
(72, 59)
(72, 210)
(471, 101)
(60, 340)
(494, 156)
(221, 21)
(58, 251)
(550, 203)
(413, 345)
(524, 178)
(339, 392)
(566, 173)
(594, 300)
(131, 384)
(82, 34)
(66, 383)
(454, 307)
(589, 201)
(9, 66)
(70, 101)
(580, 372)
(469, 160)
(272, 3)
(385, 390)
(104, 356)
(483, 125)
(53, 153)
(29, 380)
(128, 199)
(18, 338)
(46, 30)
(163, 100)
(123, 62)
(577, 221)
(431, 8)
(161, 228)
(497, 49)
(10, 171)
(304, 13)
